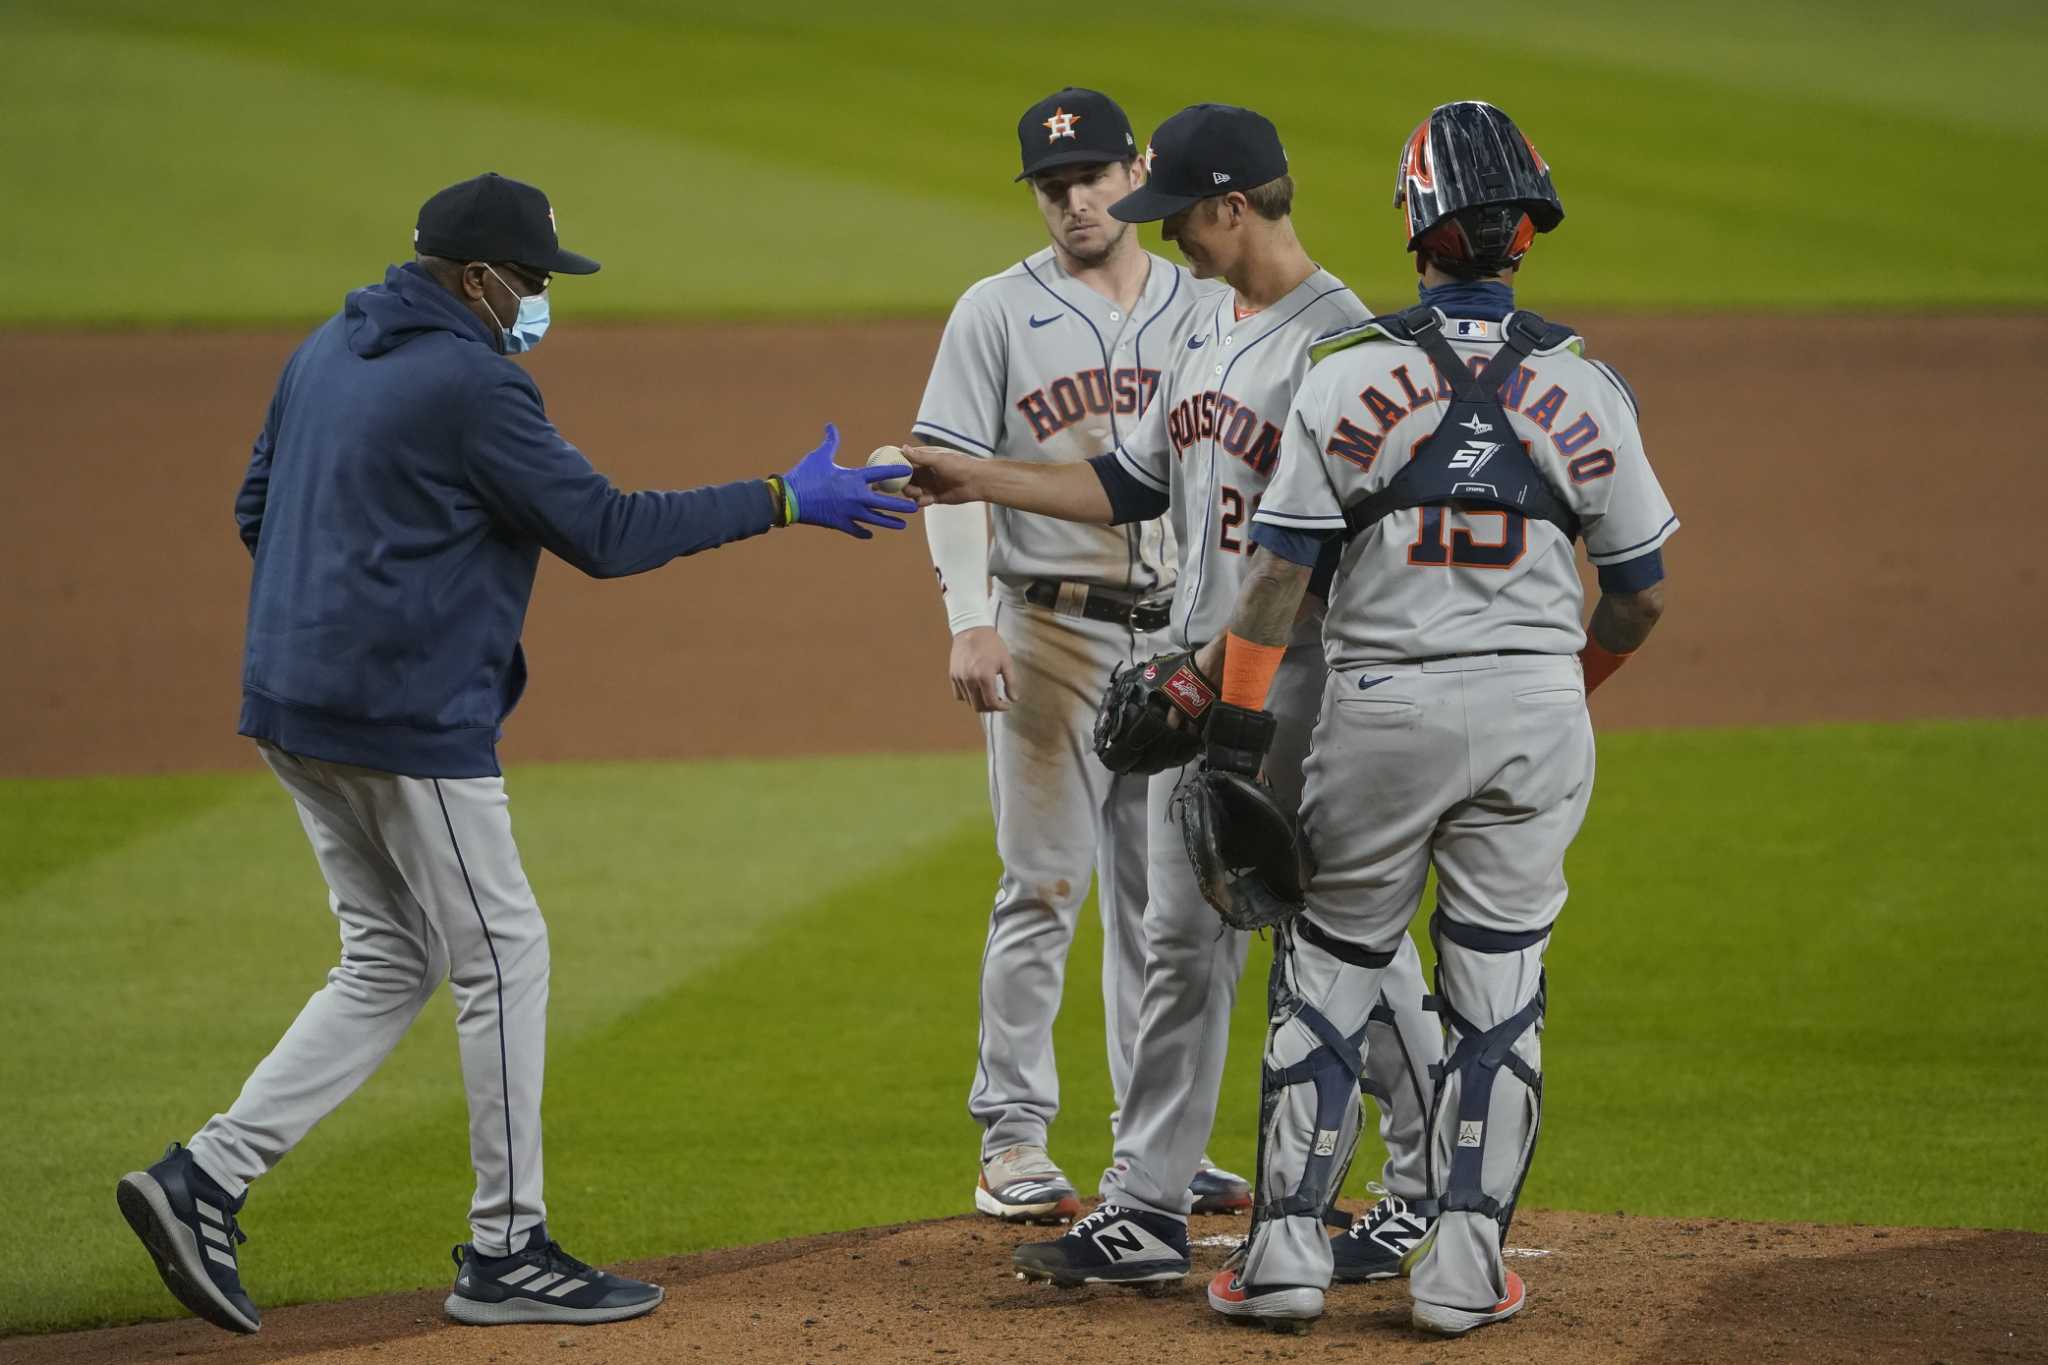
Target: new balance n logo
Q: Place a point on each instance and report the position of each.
(1120, 1242)
(1400, 1232)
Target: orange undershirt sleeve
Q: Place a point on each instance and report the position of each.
(1248, 670)
(1599, 663)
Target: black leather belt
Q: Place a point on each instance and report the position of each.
(1098, 604)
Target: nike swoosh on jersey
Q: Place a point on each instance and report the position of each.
(1040, 322)
(1364, 683)
(1197, 343)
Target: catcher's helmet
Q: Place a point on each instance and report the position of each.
(1475, 191)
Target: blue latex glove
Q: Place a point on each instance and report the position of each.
(826, 494)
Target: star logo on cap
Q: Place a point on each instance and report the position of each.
(1060, 125)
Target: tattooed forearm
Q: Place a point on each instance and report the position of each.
(1622, 620)
(1273, 589)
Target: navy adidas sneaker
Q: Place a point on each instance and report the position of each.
(1381, 1243)
(187, 1224)
(542, 1283)
(1113, 1245)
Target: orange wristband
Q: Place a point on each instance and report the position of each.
(1599, 663)
(1248, 671)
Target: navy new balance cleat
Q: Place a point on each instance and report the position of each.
(1215, 1190)
(542, 1283)
(1112, 1245)
(1381, 1243)
(187, 1224)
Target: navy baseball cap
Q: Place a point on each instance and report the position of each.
(1201, 152)
(491, 218)
(1073, 127)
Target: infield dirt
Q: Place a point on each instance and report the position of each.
(1854, 545)
(1601, 1289)
(1855, 548)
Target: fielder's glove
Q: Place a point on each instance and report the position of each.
(1134, 730)
(1246, 857)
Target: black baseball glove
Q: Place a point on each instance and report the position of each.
(1246, 857)
(1134, 730)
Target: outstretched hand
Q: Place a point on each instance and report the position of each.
(941, 475)
(827, 494)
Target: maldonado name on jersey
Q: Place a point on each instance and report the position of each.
(1354, 443)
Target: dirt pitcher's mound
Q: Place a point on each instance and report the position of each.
(1601, 1288)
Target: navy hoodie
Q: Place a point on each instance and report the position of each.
(397, 502)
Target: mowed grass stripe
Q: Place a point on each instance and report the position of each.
(273, 204)
(1793, 982)
(803, 160)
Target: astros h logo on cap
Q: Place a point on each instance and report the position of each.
(1073, 127)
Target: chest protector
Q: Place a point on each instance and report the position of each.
(1473, 458)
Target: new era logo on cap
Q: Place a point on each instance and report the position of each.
(1241, 149)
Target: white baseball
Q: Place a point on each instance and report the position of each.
(889, 455)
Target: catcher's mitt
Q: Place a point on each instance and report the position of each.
(1243, 848)
(1134, 731)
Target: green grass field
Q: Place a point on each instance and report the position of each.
(1798, 979)
(223, 161)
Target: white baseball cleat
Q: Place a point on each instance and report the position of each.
(1022, 1185)
(1454, 1322)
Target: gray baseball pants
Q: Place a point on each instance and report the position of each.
(1482, 767)
(425, 882)
(1061, 818)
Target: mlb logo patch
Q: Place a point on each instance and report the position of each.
(1468, 329)
(1326, 1142)
(1471, 1132)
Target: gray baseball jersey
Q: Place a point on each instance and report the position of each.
(1212, 440)
(1035, 366)
(1432, 581)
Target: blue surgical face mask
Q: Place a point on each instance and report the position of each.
(529, 325)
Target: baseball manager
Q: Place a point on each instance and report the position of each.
(397, 502)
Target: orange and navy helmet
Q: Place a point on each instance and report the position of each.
(1474, 189)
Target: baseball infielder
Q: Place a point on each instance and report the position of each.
(1206, 449)
(1454, 452)
(1052, 361)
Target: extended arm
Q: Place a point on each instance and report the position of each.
(1071, 492)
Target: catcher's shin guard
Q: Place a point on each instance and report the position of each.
(1404, 1048)
(1322, 992)
(1488, 1105)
